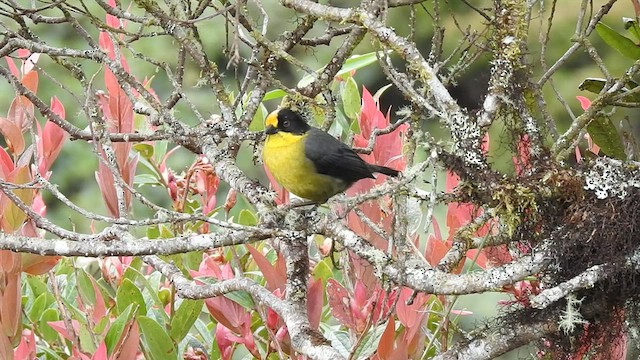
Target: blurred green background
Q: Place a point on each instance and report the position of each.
(74, 170)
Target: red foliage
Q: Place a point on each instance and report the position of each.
(387, 151)
(355, 310)
(275, 275)
(118, 113)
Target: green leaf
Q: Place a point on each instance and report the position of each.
(205, 333)
(595, 85)
(274, 94)
(146, 179)
(247, 218)
(85, 335)
(165, 231)
(193, 259)
(323, 270)
(40, 304)
(51, 354)
(133, 270)
(351, 99)
(355, 127)
(148, 165)
(378, 94)
(117, 327)
(592, 85)
(355, 62)
(158, 344)
(605, 135)
(369, 343)
(145, 150)
(128, 293)
(160, 149)
(621, 43)
(85, 287)
(13, 217)
(257, 123)
(184, 318)
(632, 25)
(242, 298)
(340, 340)
(37, 285)
(76, 314)
(153, 232)
(343, 123)
(47, 332)
(150, 282)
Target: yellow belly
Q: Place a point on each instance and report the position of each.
(283, 154)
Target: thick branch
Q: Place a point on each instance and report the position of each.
(419, 277)
(120, 247)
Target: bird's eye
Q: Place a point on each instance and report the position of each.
(285, 123)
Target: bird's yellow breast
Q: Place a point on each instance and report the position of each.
(284, 156)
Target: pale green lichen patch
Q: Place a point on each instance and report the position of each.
(612, 178)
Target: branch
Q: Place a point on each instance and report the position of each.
(585, 280)
(499, 340)
(419, 277)
(118, 245)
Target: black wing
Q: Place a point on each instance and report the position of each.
(332, 157)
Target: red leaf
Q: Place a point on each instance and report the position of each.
(6, 164)
(451, 181)
(275, 279)
(6, 348)
(282, 194)
(10, 262)
(51, 138)
(435, 250)
(106, 44)
(30, 80)
(224, 344)
(28, 65)
(584, 102)
(227, 312)
(315, 297)
(21, 112)
(99, 310)
(370, 115)
(386, 345)
(458, 215)
(12, 135)
(128, 343)
(482, 259)
(591, 145)
(485, 144)
(27, 348)
(101, 352)
(105, 183)
(339, 299)
(23, 53)
(60, 327)
(112, 20)
(37, 264)
(411, 316)
(10, 304)
(12, 67)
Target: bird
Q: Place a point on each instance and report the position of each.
(309, 162)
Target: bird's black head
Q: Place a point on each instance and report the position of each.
(285, 120)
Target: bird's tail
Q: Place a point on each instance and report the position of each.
(383, 170)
